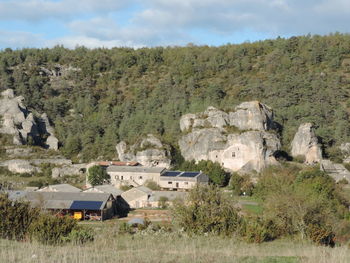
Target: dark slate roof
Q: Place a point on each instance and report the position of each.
(67, 200)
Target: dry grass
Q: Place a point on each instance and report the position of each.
(110, 247)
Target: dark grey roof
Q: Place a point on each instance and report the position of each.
(15, 195)
(135, 169)
(109, 189)
(63, 200)
(60, 188)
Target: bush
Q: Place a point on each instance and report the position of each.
(322, 235)
(79, 236)
(49, 229)
(299, 159)
(152, 185)
(16, 217)
(162, 203)
(207, 211)
(258, 230)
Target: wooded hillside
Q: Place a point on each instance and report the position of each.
(97, 97)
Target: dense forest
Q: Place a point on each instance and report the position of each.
(97, 97)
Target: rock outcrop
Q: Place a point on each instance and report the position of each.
(345, 150)
(44, 124)
(335, 170)
(239, 140)
(21, 124)
(149, 152)
(305, 143)
(20, 166)
(73, 169)
(247, 116)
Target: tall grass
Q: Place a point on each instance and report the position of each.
(111, 247)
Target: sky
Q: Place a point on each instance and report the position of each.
(149, 23)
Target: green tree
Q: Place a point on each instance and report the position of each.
(97, 175)
(207, 210)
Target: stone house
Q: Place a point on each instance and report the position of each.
(133, 175)
(137, 197)
(177, 180)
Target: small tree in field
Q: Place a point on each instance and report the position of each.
(97, 175)
(207, 210)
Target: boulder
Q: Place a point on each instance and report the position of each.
(149, 152)
(224, 137)
(305, 143)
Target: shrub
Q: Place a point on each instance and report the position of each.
(207, 211)
(258, 230)
(79, 236)
(299, 159)
(49, 229)
(16, 217)
(321, 234)
(152, 185)
(162, 203)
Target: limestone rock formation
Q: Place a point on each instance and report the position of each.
(238, 140)
(345, 150)
(20, 166)
(305, 143)
(44, 124)
(21, 124)
(251, 115)
(72, 169)
(335, 170)
(149, 152)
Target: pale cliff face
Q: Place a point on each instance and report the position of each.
(251, 147)
(305, 143)
(20, 123)
(149, 152)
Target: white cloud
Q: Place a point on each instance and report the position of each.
(37, 10)
(18, 39)
(174, 22)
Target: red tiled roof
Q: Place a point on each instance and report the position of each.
(118, 163)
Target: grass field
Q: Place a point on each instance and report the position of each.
(170, 247)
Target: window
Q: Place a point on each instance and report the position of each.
(186, 182)
(121, 177)
(116, 177)
(140, 177)
(233, 154)
(170, 182)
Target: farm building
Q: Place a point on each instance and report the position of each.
(81, 206)
(137, 197)
(177, 180)
(60, 188)
(107, 188)
(133, 175)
